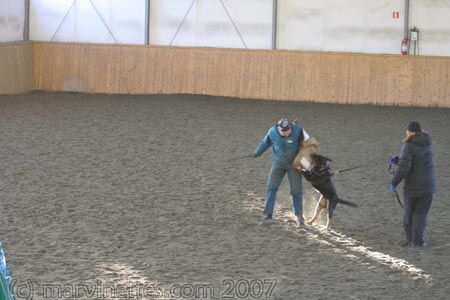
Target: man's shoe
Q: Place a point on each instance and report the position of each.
(267, 221)
(424, 245)
(300, 222)
(405, 243)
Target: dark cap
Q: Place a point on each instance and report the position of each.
(414, 126)
(284, 125)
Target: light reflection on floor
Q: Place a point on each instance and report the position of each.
(344, 245)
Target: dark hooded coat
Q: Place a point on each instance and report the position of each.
(416, 167)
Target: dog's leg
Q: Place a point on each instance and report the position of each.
(321, 204)
(329, 217)
(331, 207)
(328, 226)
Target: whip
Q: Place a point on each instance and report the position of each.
(349, 169)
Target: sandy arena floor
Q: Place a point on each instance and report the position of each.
(114, 196)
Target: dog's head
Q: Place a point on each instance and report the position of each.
(320, 161)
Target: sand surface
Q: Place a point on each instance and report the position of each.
(109, 196)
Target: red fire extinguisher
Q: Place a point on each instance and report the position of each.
(405, 46)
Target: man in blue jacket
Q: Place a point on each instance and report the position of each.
(6, 290)
(415, 167)
(285, 138)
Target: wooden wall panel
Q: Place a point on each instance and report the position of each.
(280, 75)
(16, 68)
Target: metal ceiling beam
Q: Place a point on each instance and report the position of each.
(274, 23)
(147, 22)
(406, 26)
(26, 28)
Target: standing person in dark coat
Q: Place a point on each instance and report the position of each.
(416, 168)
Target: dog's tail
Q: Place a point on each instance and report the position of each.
(346, 202)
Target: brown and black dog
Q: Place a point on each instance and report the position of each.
(320, 178)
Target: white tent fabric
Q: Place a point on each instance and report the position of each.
(91, 21)
(212, 23)
(368, 26)
(432, 18)
(12, 20)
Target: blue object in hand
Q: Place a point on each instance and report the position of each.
(393, 188)
(393, 159)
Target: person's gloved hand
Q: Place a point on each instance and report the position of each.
(393, 159)
(393, 188)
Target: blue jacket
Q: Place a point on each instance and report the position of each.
(416, 167)
(284, 149)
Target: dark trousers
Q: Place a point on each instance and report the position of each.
(415, 217)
